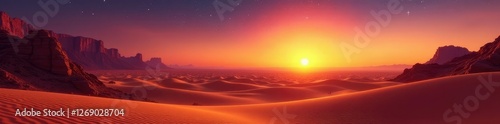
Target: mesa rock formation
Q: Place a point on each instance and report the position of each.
(487, 59)
(41, 64)
(36, 60)
(14, 26)
(156, 62)
(447, 53)
(44, 52)
(90, 53)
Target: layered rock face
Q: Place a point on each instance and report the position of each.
(447, 53)
(135, 61)
(87, 52)
(14, 26)
(81, 44)
(35, 60)
(156, 62)
(45, 52)
(92, 55)
(487, 59)
(113, 53)
(41, 64)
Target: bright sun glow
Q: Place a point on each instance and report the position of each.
(304, 62)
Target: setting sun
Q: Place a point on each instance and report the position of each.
(304, 62)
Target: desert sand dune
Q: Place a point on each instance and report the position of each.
(275, 85)
(135, 112)
(384, 83)
(414, 103)
(184, 97)
(243, 80)
(351, 85)
(235, 90)
(261, 82)
(178, 83)
(423, 102)
(127, 81)
(330, 90)
(222, 85)
(285, 82)
(279, 94)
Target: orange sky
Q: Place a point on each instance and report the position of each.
(281, 33)
(281, 38)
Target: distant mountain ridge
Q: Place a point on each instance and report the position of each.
(487, 59)
(87, 52)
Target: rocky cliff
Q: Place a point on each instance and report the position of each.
(487, 59)
(113, 53)
(135, 61)
(45, 52)
(41, 64)
(447, 53)
(156, 62)
(14, 26)
(90, 53)
(81, 44)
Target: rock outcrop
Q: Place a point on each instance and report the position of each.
(45, 52)
(487, 59)
(447, 53)
(41, 64)
(81, 44)
(113, 53)
(14, 26)
(156, 62)
(135, 61)
(87, 52)
(92, 55)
